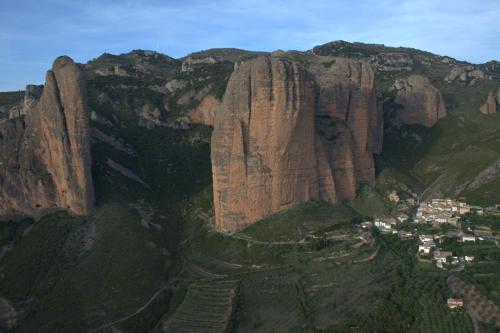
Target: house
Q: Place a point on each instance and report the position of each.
(455, 303)
(426, 238)
(469, 259)
(385, 224)
(468, 238)
(382, 225)
(366, 225)
(441, 219)
(426, 247)
(404, 234)
(463, 210)
(440, 256)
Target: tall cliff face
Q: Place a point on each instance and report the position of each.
(348, 121)
(46, 162)
(286, 135)
(421, 102)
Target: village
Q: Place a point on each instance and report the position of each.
(434, 224)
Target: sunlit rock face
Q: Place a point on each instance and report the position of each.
(286, 134)
(45, 155)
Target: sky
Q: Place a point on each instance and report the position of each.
(34, 32)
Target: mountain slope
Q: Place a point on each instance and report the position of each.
(128, 265)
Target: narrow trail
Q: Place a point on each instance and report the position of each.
(371, 257)
(254, 241)
(139, 310)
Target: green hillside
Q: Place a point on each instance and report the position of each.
(149, 260)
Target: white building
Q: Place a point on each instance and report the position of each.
(469, 259)
(468, 238)
(426, 247)
(455, 303)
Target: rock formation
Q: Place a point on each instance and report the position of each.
(490, 106)
(45, 156)
(31, 94)
(285, 135)
(421, 102)
(204, 113)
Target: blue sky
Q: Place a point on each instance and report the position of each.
(34, 32)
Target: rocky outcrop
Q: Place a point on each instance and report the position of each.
(465, 74)
(392, 61)
(285, 135)
(490, 106)
(150, 116)
(205, 112)
(31, 94)
(420, 102)
(45, 156)
(175, 85)
(190, 64)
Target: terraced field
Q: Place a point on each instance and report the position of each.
(480, 306)
(207, 307)
(270, 302)
(436, 317)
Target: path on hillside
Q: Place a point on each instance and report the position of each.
(139, 310)
(249, 239)
(371, 257)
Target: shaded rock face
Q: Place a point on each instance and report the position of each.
(45, 156)
(281, 138)
(421, 102)
(490, 106)
(349, 123)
